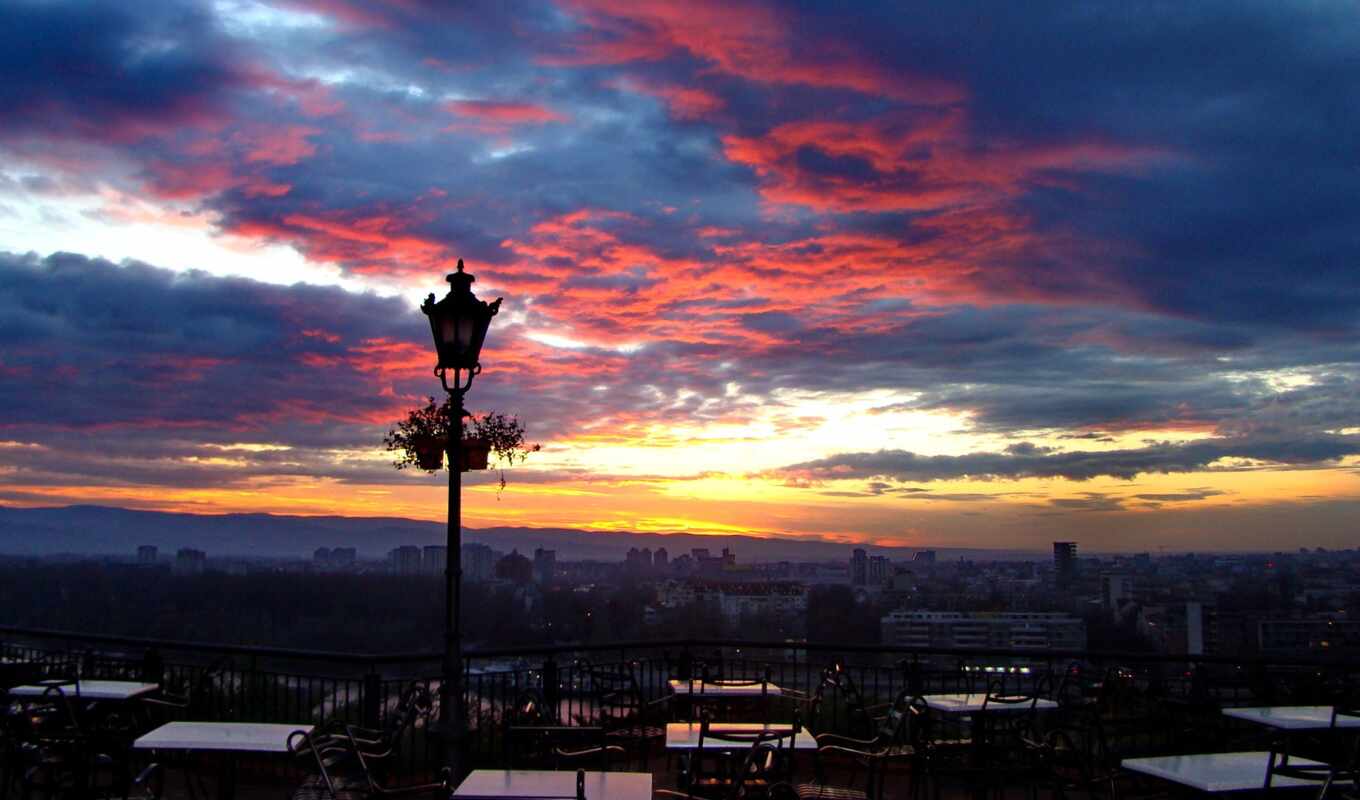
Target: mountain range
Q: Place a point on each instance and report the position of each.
(110, 531)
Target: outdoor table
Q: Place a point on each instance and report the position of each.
(1292, 718)
(973, 704)
(727, 693)
(494, 784)
(1219, 772)
(685, 735)
(228, 738)
(724, 689)
(239, 737)
(88, 690)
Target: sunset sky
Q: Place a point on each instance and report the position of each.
(950, 274)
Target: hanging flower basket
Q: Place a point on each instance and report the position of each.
(429, 452)
(475, 452)
(422, 438)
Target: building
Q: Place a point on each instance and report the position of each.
(147, 555)
(404, 560)
(924, 557)
(434, 559)
(189, 561)
(1320, 634)
(1115, 589)
(1065, 563)
(661, 560)
(1189, 628)
(545, 565)
(638, 561)
(783, 603)
(880, 570)
(1006, 631)
(479, 562)
(859, 568)
(344, 558)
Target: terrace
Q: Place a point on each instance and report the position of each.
(1111, 706)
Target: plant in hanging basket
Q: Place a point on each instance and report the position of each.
(429, 452)
(475, 452)
(421, 439)
(502, 435)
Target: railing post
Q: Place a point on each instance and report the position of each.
(373, 699)
(153, 666)
(551, 695)
(685, 666)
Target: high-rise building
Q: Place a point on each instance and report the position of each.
(545, 565)
(147, 554)
(479, 562)
(404, 560)
(859, 568)
(880, 569)
(661, 560)
(1115, 588)
(1065, 563)
(924, 557)
(189, 561)
(434, 559)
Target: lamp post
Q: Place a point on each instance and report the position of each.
(458, 323)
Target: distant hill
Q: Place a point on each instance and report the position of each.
(103, 530)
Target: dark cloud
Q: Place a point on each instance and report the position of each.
(1165, 458)
(91, 344)
(110, 70)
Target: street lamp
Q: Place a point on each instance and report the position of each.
(458, 324)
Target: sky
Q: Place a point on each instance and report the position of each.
(942, 274)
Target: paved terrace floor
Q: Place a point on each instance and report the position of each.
(265, 779)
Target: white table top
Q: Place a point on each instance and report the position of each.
(1218, 772)
(685, 735)
(1294, 718)
(725, 688)
(972, 704)
(491, 784)
(90, 690)
(241, 737)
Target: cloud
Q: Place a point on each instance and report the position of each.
(1160, 458)
(111, 71)
(1048, 225)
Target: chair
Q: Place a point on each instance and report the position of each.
(719, 703)
(763, 763)
(1065, 762)
(533, 739)
(342, 771)
(1342, 766)
(1008, 718)
(628, 720)
(60, 751)
(199, 701)
(866, 769)
(898, 739)
(859, 715)
(379, 744)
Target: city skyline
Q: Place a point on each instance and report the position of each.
(969, 277)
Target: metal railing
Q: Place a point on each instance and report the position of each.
(282, 685)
